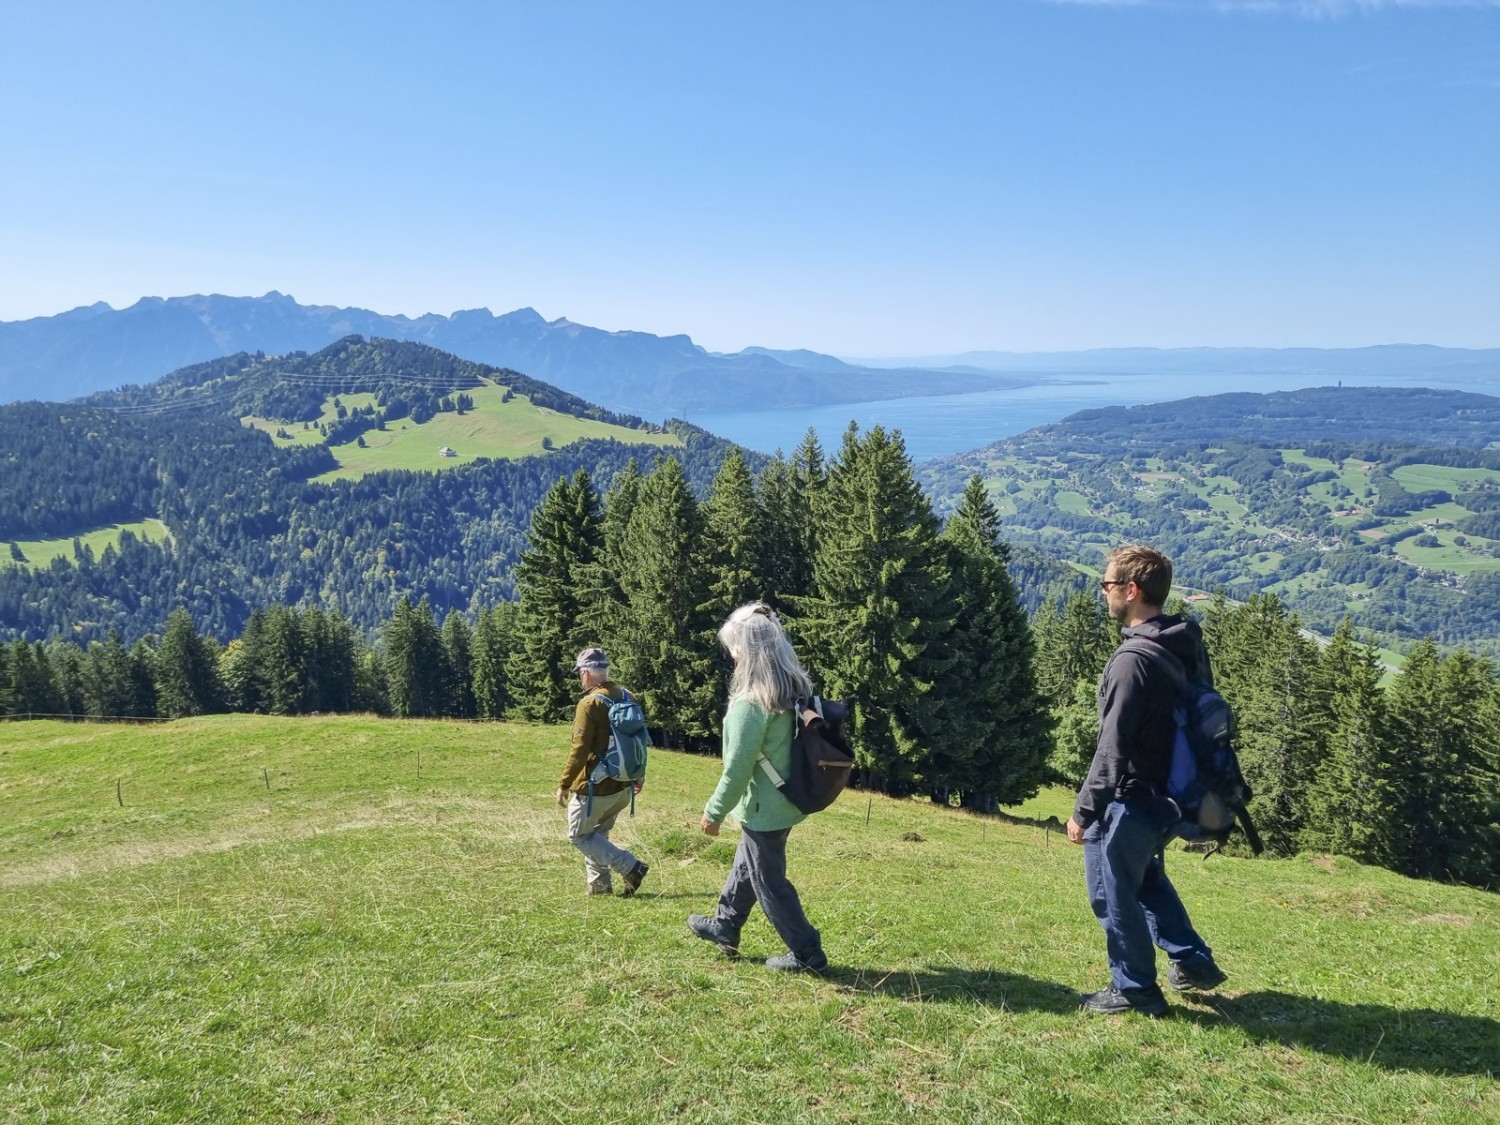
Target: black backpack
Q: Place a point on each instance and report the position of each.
(821, 762)
(1204, 781)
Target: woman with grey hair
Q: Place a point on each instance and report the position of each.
(767, 682)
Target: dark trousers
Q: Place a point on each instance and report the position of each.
(759, 875)
(1132, 897)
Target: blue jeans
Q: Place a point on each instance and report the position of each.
(759, 875)
(1131, 895)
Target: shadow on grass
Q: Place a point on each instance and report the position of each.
(1395, 1038)
(1006, 991)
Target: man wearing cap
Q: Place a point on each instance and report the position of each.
(588, 828)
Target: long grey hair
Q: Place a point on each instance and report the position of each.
(765, 667)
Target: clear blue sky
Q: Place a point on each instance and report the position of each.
(866, 179)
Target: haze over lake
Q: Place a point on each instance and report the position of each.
(940, 425)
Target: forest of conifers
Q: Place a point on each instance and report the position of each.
(916, 623)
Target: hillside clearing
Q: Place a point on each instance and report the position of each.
(352, 920)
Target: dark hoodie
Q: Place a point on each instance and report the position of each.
(1136, 728)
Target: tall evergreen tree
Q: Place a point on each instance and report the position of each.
(286, 668)
(66, 662)
(876, 627)
(661, 648)
(494, 635)
(458, 664)
(331, 658)
(788, 494)
(107, 688)
(244, 667)
(186, 674)
(602, 602)
(564, 541)
(414, 661)
(143, 680)
(997, 752)
(1349, 799)
(1263, 666)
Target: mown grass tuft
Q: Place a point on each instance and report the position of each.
(371, 939)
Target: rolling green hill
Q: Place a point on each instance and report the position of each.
(1399, 535)
(499, 424)
(354, 920)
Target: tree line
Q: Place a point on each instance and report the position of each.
(915, 623)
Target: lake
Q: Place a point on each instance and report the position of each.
(940, 425)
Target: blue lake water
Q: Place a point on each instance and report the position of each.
(944, 424)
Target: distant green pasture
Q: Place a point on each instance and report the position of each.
(494, 429)
(41, 552)
(1426, 478)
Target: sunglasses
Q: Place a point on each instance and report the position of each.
(1106, 583)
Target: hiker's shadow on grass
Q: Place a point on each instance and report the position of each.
(943, 984)
(1395, 1038)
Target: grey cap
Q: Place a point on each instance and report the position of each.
(591, 658)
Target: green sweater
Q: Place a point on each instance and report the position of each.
(744, 789)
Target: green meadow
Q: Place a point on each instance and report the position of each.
(340, 920)
(494, 429)
(41, 552)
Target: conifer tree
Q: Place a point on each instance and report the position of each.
(1443, 776)
(564, 541)
(1074, 638)
(1349, 798)
(458, 664)
(285, 667)
(1263, 666)
(787, 492)
(143, 680)
(414, 661)
(186, 674)
(331, 655)
(66, 662)
(602, 605)
(244, 666)
(7, 692)
(107, 688)
(875, 630)
(997, 753)
(494, 634)
(733, 534)
(660, 648)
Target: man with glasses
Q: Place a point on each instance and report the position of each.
(1122, 814)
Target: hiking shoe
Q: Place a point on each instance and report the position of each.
(632, 879)
(1147, 1001)
(791, 963)
(601, 889)
(1196, 972)
(711, 929)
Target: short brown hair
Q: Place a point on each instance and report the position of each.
(1147, 567)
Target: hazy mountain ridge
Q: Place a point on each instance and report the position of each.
(96, 348)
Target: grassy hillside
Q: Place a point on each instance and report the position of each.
(494, 428)
(41, 552)
(1388, 543)
(347, 920)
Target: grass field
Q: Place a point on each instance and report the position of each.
(494, 428)
(353, 920)
(41, 552)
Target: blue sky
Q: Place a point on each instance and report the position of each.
(866, 179)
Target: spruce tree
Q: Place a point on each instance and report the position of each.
(66, 662)
(186, 675)
(413, 661)
(661, 649)
(733, 533)
(875, 629)
(244, 666)
(1264, 667)
(787, 493)
(458, 665)
(285, 667)
(997, 753)
(494, 634)
(550, 576)
(602, 605)
(106, 677)
(1349, 800)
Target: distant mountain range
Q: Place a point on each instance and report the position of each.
(97, 348)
